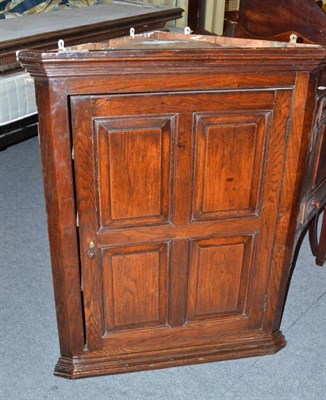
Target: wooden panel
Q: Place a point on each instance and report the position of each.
(123, 130)
(181, 102)
(218, 277)
(134, 164)
(228, 164)
(272, 214)
(135, 287)
(180, 109)
(60, 205)
(161, 82)
(195, 230)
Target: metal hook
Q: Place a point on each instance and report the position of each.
(187, 30)
(132, 32)
(61, 45)
(293, 38)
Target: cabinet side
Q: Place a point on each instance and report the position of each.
(299, 133)
(54, 137)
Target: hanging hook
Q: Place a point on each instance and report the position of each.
(293, 38)
(187, 30)
(61, 45)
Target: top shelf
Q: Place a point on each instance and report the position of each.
(169, 53)
(166, 40)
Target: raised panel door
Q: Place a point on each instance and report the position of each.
(142, 144)
(229, 151)
(218, 277)
(134, 287)
(177, 199)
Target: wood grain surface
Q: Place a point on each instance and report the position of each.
(172, 182)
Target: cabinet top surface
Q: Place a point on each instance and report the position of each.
(190, 50)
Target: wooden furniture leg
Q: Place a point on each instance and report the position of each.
(318, 248)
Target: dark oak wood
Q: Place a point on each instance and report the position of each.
(277, 20)
(172, 180)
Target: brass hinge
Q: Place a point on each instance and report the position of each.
(77, 219)
(73, 153)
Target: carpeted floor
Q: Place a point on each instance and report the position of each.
(29, 344)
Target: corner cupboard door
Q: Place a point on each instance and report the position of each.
(175, 242)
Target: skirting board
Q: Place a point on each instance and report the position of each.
(84, 366)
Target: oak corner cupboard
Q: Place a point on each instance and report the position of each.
(173, 168)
